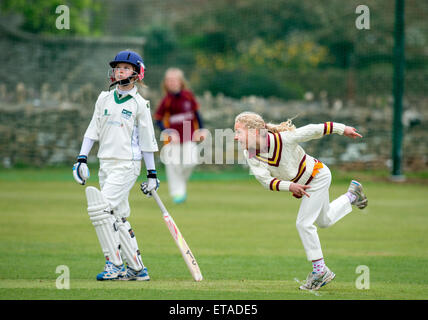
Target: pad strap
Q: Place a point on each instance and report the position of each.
(105, 225)
(129, 245)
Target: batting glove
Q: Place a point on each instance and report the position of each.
(151, 184)
(81, 170)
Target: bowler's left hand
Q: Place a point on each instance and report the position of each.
(351, 132)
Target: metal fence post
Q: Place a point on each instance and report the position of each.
(398, 89)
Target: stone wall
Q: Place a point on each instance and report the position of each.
(49, 131)
(50, 85)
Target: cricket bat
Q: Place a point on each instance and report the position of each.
(187, 254)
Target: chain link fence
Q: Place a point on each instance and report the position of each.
(50, 84)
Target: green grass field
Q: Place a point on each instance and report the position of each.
(243, 236)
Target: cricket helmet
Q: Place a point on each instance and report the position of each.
(132, 58)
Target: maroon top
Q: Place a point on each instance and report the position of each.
(179, 112)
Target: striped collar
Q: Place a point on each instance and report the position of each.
(273, 156)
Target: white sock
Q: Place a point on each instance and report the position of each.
(318, 265)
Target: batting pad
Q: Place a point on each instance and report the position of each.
(128, 245)
(104, 224)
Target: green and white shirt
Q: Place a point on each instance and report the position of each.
(123, 126)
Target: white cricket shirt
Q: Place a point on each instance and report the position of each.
(286, 161)
(122, 126)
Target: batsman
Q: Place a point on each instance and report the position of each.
(123, 127)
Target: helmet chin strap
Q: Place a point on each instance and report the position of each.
(123, 82)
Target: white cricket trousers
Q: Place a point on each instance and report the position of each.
(317, 209)
(116, 178)
(179, 161)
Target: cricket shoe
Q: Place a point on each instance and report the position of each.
(314, 281)
(179, 199)
(132, 275)
(356, 189)
(111, 272)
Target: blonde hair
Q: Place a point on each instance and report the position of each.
(283, 126)
(252, 120)
(180, 73)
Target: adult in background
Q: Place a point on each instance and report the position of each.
(178, 117)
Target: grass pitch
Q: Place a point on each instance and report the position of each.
(244, 239)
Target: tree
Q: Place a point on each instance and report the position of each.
(40, 16)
